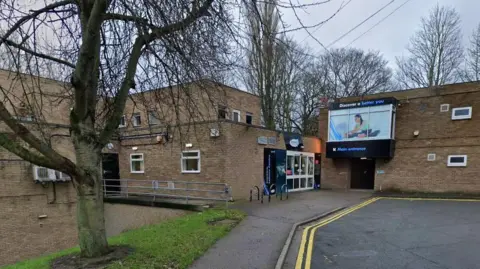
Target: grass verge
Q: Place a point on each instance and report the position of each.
(172, 244)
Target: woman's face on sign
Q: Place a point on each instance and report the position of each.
(357, 119)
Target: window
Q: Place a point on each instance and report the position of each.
(444, 108)
(457, 160)
(222, 112)
(191, 161)
(249, 118)
(462, 113)
(236, 115)
(431, 157)
(122, 122)
(136, 119)
(137, 164)
(153, 118)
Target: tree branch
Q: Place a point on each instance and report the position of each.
(9, 144)
(40, 55)
(34, 14)
(58, 161)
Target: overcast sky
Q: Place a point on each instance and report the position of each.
(390, 37)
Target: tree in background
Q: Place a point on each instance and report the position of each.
(354, 72)
(472, 61)
(103, 51)
(435, 52)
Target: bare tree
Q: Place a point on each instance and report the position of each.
(435, 52)
(103, 51)
(353, 72)
(472, 62)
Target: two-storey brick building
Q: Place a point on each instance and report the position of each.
(420, 140)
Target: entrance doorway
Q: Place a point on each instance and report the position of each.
(111, 171)
(362, 174)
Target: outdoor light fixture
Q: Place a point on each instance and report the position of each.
(188, 145)
(363, 158)
(416, 132)
(134, 148)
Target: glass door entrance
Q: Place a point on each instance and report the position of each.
(300, 170)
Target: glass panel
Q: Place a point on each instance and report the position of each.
(137, 166)
(310, 183)
(457, 159)
(137, 157)
(289, 166)
(303, 166)
(296, 183)
(236, 116)
(296, 165)
(290, 183)
(190, 154)
(303, 183)
(462, 112)
(310, 166)
(191, 165)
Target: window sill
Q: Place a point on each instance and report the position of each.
(137, 172)
(190, 172)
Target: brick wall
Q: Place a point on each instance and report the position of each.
(409, 170)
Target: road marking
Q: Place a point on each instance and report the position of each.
(309, 232)
(431, 199)
(314, 227)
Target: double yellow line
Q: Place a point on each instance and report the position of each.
(309, 233)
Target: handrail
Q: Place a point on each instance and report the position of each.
(258, 193)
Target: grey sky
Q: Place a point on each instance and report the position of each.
(390, 37)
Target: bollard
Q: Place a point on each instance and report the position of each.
(262, 197)
(251, 195)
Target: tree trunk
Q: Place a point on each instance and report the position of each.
(90, 210)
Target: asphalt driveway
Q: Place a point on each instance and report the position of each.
(393, 233)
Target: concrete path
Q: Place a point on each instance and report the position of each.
(258, 240)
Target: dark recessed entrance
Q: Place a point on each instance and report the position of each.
(363, 174)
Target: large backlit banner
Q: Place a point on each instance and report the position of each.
(360, 123)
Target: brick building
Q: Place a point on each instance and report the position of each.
(212, 135)
(420, 140)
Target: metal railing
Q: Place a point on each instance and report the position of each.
(184, 190)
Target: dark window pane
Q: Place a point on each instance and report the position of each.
(457, 159)
(462, 112)
(191, 165)
(190, 154)
(249, 118)
(222, 112)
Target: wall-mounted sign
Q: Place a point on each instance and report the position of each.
(262, 140)
(294, 142)
(363, 103)
(361, 149)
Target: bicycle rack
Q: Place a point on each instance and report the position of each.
(283, 189)
(270, 191)
(258, 193)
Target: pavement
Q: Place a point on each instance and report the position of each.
(258, 240)
(397, 233)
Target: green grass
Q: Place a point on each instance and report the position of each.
(172, 244)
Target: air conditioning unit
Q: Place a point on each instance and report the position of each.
(214, 133)
(43, 174)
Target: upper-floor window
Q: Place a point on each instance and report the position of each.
(136, 119)
(222, 112)
(462, 113)
(153, 118)
(123, 123)
(249, 118)
(236, 115)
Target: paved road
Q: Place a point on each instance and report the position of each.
(402, 234)
(257, 242)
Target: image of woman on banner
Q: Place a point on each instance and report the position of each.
(360, 129)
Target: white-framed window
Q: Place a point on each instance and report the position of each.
(248, 118)
(190, 161)
(136, 119)
(153, 118)
(123, 123)
(137, 163)
(444, 107)
(236, 115)
(457, 160)
(462, 113)
(431, 157)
